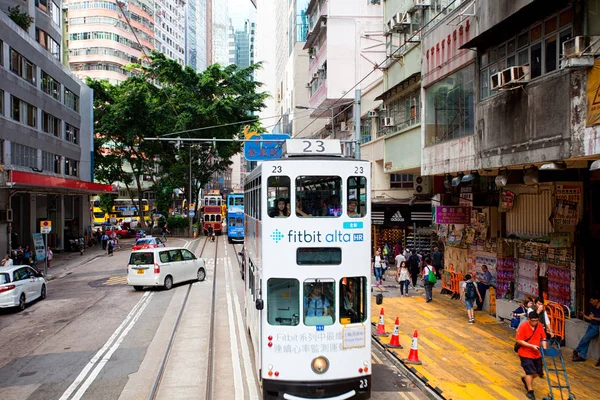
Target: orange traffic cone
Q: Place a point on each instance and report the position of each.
(395, 342)
(413, 356)
(381, 325)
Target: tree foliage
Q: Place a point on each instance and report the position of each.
(161, 99)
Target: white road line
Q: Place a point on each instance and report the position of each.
(109, 354)
(245, 351)
(108, 343)
(237, 371)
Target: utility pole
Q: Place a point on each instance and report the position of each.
(357, 124)
(189, 202)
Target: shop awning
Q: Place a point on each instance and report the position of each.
(400, 86)
(21, 179)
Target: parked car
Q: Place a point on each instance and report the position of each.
(19, 285)
(147, 243)
(163, 267)
(119, 231)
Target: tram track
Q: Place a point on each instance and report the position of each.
(165, 360)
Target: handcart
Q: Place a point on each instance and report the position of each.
(558, 381)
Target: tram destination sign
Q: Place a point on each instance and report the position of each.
(313, 147)
(264, 147)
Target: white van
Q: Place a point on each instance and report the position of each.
(163, 266)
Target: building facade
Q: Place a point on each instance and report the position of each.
(169, 29)
(104, 36)
(46, 135)
(509, 126)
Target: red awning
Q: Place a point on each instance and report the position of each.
(28, 179)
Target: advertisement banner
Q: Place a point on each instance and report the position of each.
(593, 95)
(568, 203)
(38, 244)
(452, 215)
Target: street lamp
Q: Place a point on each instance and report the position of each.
(321, 109)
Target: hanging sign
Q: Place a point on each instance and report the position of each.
(45, 226)
(452, 215)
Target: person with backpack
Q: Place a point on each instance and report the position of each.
(413, 268)
(429, 279)
(470, 293)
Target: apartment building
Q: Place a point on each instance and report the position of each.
(169, 29)
(195, 34)
(46, 132)
(106, 35)
(510, 127)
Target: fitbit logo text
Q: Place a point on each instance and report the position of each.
(318, 237)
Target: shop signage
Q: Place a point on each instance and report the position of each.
(593, 95)
(567, 204)
(452, 215)
(40, 249)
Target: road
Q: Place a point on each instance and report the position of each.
(94, 337)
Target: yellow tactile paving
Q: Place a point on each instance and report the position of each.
(116, 280)
(470, 361)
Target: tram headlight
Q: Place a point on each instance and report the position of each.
(320, 365)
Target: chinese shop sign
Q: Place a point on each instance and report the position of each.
(452, 215)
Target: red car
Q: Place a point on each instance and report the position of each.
(119, 231)
(147, 243)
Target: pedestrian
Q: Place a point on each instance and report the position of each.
(544, 319)
(377, 268)
(428, 279)
(399, 260)
(529, 337)
(104, 240)
(591, 332)
(164, 232)
(384, 266)
(7, 261)
(519, 315)
(49, 256)
(470, 293)
(413, 268)
(397, 251)
(483, 285)
(436, 259)
(27, 256)
(19, 256)
(403, 278)
(110, 246)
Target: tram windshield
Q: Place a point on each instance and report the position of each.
(318, 196)
(319, 302)
(283, 301)
(353, 300)
(236, 201)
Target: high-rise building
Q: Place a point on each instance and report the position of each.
(169, 28)
(106, 35)
(232, 44)
(219, 33)
(244, 41)
(195, 34)
(46, 131)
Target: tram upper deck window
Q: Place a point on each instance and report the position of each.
(353, 300)
(318, 256)
(357, 195)
(318, 196)
(283, 301)
(236, 201)
(278, 196)
(319, 302)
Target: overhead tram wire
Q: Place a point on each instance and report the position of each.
(379, 66)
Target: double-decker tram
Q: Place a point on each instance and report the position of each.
(307, 272)
(212, 213)
(235, 217)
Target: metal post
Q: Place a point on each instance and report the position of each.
(332, 124)
(189, 202)
(46, 254)
(357, 124)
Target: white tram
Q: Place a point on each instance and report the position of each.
(307, 268)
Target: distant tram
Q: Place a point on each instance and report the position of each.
(212, 212)
(307, 272)
(235, 217)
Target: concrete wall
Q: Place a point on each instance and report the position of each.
(491, 12)
(403, 150)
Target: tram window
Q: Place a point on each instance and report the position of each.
(236, 201)
(283, 301)
(319, 302)
(251, 278)
(318, 256)
(278, 196)
(232, 221)
(239, 222)
(319, 196)
(357, 195)
(353, 300)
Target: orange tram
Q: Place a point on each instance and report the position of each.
(213, 208)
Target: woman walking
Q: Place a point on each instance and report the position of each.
(378, 268)
(49, 255)
(403, 278)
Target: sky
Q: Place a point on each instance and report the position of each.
(239, 11)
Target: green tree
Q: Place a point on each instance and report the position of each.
(22, 19)
(163, 98)
(107, 201)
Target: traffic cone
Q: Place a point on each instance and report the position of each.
(413, 356)
(381, 325)
(395, 342)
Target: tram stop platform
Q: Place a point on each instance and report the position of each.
(461, 361)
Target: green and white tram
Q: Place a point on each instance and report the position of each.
(307, 268)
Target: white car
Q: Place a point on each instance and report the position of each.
(19, 285)
(163, 267)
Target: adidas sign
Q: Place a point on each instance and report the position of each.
(397, 217)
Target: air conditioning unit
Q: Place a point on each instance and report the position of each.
(372, 114)
(389, 27)
(423, 185)
(315, 75)
(402, 21)
(515, 76)
(496, 81)
(311, 56)
(308, 86)
(422, 3)
(344, 126)
(6, 215)
(382, 107)
(576, 46)
(388, 121)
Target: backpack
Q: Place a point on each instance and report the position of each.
(470, 292)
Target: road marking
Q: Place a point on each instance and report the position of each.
(245, 351)
(108, 343)
(237, 371)
(116, 280)
(376, 358)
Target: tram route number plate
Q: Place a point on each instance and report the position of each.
(320, 328)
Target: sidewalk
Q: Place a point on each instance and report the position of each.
(463, 361)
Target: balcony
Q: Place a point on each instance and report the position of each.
(319, 96)
(318, 59)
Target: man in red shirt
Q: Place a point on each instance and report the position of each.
(530, 336)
